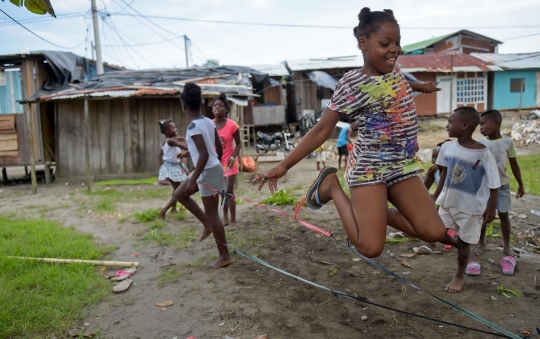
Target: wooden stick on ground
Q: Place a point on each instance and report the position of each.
(78, 261)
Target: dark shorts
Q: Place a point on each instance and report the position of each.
(342, 150)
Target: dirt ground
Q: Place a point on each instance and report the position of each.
(247, 299)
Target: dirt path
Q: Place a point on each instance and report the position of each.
(246, 299)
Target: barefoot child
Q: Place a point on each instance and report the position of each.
(170, 167)
(207, 177)
(383, 165)
(228, 132)
(468, 179)
(502, 149)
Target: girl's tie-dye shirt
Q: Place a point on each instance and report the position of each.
(385, 115)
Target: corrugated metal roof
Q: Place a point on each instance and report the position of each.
(436, 62)
(272, 70)
(351, 61)
(511, 61)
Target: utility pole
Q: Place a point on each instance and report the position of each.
(451, 81)
(99, 61)
(185, 48)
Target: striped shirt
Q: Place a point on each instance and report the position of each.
(385, 115)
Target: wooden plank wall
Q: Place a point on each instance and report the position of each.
(21, 155)
(124, 135)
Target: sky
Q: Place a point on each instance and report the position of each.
(121, 28)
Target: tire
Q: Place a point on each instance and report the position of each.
(291, 147)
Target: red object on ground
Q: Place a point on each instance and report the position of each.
(191, 338)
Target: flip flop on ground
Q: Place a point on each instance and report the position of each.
(124, 274)
(123, 286)
(508, 264)
(315, 188)
(423, 250)
(473, 268)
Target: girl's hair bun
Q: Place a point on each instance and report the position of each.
(389, 11)
(222, 97)
(364, 14)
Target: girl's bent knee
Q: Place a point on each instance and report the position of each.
(370, 251)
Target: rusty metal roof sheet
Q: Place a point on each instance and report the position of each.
(436, 62)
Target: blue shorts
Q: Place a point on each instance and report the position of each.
(504, 203)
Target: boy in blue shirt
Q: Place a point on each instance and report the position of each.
(344, 139)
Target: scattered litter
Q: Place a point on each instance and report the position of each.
(392, 255)
(493, 298)
(526, 133)
(134, 255)
(396, 235)
(77, 334)
(502, 291)
(406, 264)
(356, 259)
(525, 332)
(491, 260)
(522, 216)
(535, 212)
(223, 323)
(165, 303)
(227, 337)
(327, 262)
(364, 318)
(405, 273)
(408, 255)
(262, 336)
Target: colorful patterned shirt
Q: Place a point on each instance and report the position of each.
(385, 115)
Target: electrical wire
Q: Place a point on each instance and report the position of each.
(29, 20)
(313, 26)
(149, 43)
(47, 41)
(521, 37)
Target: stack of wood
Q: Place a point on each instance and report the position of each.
(9, 145)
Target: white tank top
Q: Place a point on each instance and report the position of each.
(170, 153)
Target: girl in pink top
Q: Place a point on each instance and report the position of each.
(228, 131)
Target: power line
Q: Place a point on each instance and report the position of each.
(149, 43)
(521, 37)
(39, 19)
(314, 26)
(47, 41)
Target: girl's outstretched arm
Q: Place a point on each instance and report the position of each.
(424, 87)
(313, 139)
(178, 142)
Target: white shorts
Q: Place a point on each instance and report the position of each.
(320, 156)
(469, 226)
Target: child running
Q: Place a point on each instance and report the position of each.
(383, 165)
(468, 179)
(228, 131)
(320, 157)
(207, 177)
(170, 167)
(502, 149)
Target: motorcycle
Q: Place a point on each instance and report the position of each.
(277, 141)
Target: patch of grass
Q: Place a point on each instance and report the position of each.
(157, 224)
(530, 166)
(203, 261)
(105, 205)
(123, 219)
(116, 182)
(170, 275)
(43, 299)
(147, 215)
(332, 271)
(152, 193)
(182, 239)
(280, 198)
(298, 187)
(179, 215)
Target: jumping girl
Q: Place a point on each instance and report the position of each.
(170, 167)
(228, 131)
(382, 165)
(207, 178)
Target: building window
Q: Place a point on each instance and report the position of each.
(516, 85)
(470, 90)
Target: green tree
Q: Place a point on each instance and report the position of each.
(35, 6)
